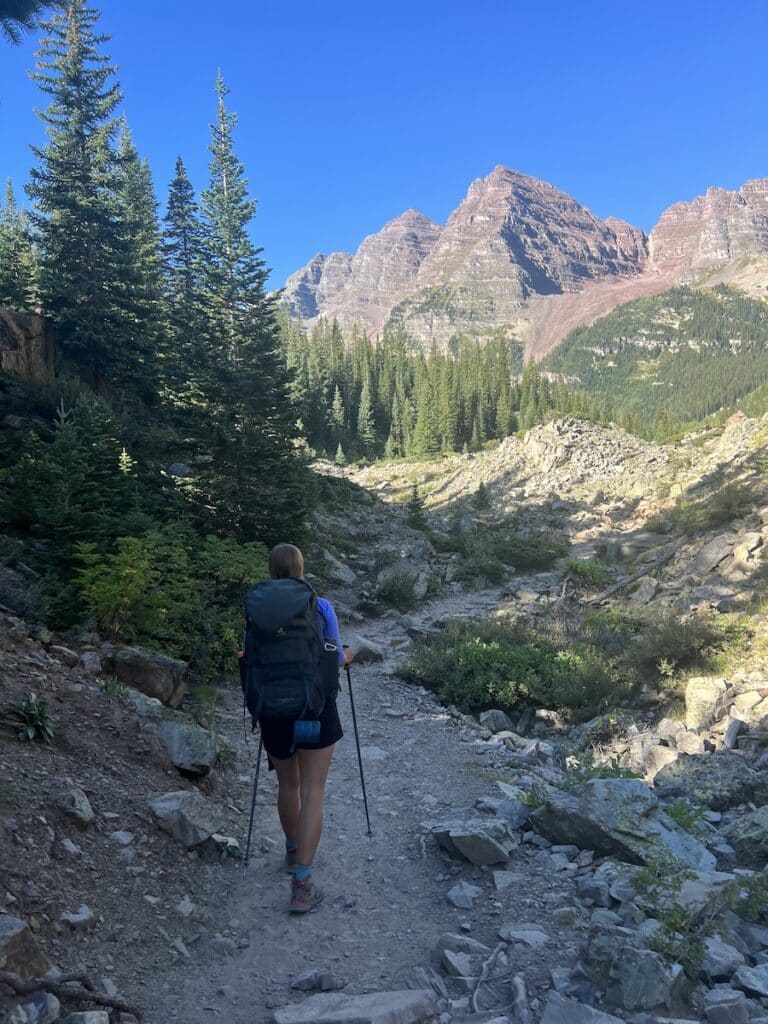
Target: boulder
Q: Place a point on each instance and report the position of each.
(19, 952)
(337, 571)
(717, 781)
(753, 980)
(643, 981)
(713, 553)
(366, 651)
(410, 1006)
(191, 748)
(620, 818)
(748, 835)
(702, 695)
(87, 1017)
(726, 1006)
(65, 655)
(153, 674)
(478, 840)
(41, 1008)
(720, 961)
(496, 721)
(76, 805)
(645, 591)
(90, 663)
(187, 816)
(560, 1010)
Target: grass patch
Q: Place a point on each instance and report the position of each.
(478, 665)
(592, 571)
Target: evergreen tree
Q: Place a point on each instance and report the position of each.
(340, 459)
(75, 187)
(257, 484)
(18, 260)
(20, 16)
(366, 432)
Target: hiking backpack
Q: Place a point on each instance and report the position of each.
(288, 670)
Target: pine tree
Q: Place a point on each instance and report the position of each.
(340, 459)
(183, 251)
(20, 16)
(257, 484)
(75, 187)
(18, 260)
(366, 431)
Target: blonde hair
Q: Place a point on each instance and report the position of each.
(286, 562)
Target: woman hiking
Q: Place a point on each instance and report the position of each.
(302, 763)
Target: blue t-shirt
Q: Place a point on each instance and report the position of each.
(330, 624)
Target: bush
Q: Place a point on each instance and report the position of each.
(697, 516)
(478, 665)
(173, 591)
(665, 639)
(397, 590)
(591, 572)
(486, 551)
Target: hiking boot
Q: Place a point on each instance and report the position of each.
(305, 897)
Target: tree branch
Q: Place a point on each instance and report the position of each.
(77, 987)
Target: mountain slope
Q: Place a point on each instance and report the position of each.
(682, 355)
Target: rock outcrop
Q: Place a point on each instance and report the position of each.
(26, 344)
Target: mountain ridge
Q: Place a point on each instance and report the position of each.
(521, 256)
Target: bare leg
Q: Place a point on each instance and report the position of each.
(313, 772)
(288, 802)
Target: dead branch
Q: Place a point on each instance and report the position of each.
(76, 987)
(627, 580)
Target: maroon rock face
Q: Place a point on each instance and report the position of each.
(519, 253)
(712, 230)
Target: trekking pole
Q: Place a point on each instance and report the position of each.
(253, 809)
(359, 755)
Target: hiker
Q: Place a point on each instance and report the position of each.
(299, 746)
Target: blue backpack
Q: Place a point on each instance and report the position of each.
(288, 669)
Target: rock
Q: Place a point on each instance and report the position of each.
(657, 758)
(330, 982)
(41, 1008)
(717, 781)
(461, 965)
(702, 695)
(80, 920)
(480, 841)
(191, 748)
(463, 895)
(405, 1007)
(752, 979)
(307, 981)
(496, 721)
(122, 837)
(76, 805)
(19, 952)
(460, 944)
(597, 890)
(560, 1010)
(528, 934)
(515, 812)
(90, 663)
(644, 592)
(720, 961)
(179, 469)
(336, 571)
(187, 816)
(65, 655)
(153, 674)
(88, 1017)
(506, 879)
(366, 651)
(713, 553)
(748, 835)
(423, 978)
(621, 818)
(643, 981)
(726, 1006)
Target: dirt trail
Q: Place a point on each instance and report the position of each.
(385, 903)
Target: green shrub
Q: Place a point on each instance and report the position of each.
(664, 638)
(30, 717)
(481, 500)
(397, 590)
(478, 665)
(173, 591)
(690, 516)
(480, 566)
(591, 572)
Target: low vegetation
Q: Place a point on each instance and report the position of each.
(691, 516)
(591, 572)
(397, 590)
(30, 718)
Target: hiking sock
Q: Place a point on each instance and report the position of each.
(291, 845)
(301, 872)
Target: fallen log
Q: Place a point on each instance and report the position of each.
(77, 987)
(626, 581)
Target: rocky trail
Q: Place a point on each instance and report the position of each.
(519, 870)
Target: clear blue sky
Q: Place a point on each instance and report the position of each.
(351, 112)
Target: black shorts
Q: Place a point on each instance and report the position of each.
(277, 733)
